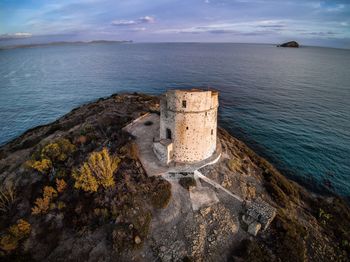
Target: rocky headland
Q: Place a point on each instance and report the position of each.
(75, 190)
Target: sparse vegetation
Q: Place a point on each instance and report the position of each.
(17, 232)
(162, 194)
(235, 164)
(187, 182)
(51, 155)
(43, 165)
(21, 229)
(7, 198)
(250, 250)
(60, 185)
(42, 205)
(129, 150)
(58, 151)
(97, 171)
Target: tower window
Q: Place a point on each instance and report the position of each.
(212, 131)
(186, 127)
(184, 104)
(168, 133)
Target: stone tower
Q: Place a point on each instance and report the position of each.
(188, 123)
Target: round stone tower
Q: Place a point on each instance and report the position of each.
(188, 123)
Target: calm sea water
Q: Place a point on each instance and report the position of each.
(291, 105)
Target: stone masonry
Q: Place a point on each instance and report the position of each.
(188, 126)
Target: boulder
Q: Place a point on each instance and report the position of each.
(254, 228)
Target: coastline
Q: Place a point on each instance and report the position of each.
(316, 188)
(305, 221)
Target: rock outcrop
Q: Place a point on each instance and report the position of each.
(289, 44)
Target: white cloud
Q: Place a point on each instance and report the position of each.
(141, 20)
(15, 36)
(336, 8)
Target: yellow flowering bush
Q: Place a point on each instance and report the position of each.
(58, 150)
(21, 229)
(43, 166)
(17, 232)
(97, 171)
(60, 185)
(42, 205)
(52, 153)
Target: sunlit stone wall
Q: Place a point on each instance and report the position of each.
(189, 119)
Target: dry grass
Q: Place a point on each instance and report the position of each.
(235, 164)
(7, 198)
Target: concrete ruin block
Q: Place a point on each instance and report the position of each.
(261, 212)
(254, 228)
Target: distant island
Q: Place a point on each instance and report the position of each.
(289, 44)
(65, 43)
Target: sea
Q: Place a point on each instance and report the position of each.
(292, 106)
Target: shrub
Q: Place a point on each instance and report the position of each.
(129, 150)
(234, 164)
(97, 171)
(58, 151)
(15, 233)
(290, 237)
(161, 196)
(60, 205)
(187, 182)
(21, 229)
(43, 165)
(44, 159)
(250, 250)
(7, 198)
(8, 243)
(60, 185)
(42, 205)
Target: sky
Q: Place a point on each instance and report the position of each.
(310, 22)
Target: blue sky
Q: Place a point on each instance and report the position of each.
(311, 22)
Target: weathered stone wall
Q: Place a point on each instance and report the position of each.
(191, 119)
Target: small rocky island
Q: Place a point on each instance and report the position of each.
(293, 44)
(96, 186)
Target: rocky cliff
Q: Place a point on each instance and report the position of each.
(75, 190)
